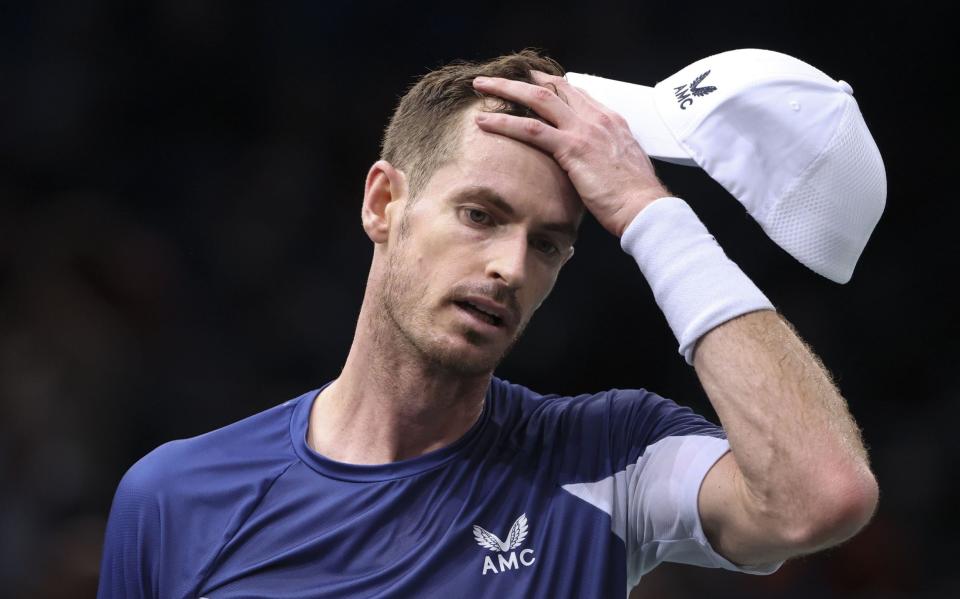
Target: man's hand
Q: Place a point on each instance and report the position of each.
(593, 144)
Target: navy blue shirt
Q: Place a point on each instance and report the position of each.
(544, 496)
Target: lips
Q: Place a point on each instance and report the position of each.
(483, 313)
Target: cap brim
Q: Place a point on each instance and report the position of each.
(635, 103)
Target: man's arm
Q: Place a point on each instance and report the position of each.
(797, 479)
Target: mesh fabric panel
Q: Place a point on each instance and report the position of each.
(826, 217)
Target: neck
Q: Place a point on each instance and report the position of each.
(390, 403)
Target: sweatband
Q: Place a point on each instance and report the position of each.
(694, 282)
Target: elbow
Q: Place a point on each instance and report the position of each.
(850, 512)
(837, 510)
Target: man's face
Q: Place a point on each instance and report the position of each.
(487, 233)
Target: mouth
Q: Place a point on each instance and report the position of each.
(479, 313)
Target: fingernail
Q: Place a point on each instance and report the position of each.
(481, 117)
(481, 80)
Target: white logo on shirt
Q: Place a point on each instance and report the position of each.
(515, 538)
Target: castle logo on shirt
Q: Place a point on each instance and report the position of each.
(507, 558)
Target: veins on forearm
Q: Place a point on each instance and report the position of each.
(774, 396)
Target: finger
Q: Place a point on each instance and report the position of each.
(541, 100)
(536, 133)
(576, 97)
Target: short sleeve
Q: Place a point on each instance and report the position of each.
(645, 466)
(663, 519)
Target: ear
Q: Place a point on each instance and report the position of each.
(385, 184)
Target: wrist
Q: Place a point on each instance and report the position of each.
(636, 204)
(693, 281)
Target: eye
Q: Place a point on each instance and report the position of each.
(475, 216)
(545, 246)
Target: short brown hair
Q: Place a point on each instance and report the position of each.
(424, 131)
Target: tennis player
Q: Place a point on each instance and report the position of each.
(418, 473)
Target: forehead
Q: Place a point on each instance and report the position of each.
(517, 172)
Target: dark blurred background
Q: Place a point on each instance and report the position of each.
(180, 246)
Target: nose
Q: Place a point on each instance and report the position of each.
(508, 260)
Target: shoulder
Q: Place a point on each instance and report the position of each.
(257, 446)
(594, 434)
(177, 505)
(526, 399)
(658, 416)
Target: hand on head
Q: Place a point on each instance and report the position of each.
(593, 144)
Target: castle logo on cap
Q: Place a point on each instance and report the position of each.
(683, 92)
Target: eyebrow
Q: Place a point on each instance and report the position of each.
(485, 194)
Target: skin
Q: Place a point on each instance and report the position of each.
(419, 367)
(796, 479)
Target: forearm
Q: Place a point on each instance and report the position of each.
(802, 460)
(799, 478)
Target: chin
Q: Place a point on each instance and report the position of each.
(468, 352)
(449, 346)
(463, 357)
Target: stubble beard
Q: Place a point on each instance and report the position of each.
(401, 302)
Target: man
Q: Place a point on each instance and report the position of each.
(418, 473)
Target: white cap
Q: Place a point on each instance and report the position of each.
(785, 139)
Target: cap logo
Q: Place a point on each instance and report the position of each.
(684, 92)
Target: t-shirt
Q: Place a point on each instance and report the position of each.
(545, 496)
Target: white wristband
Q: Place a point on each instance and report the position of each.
(694, 282)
